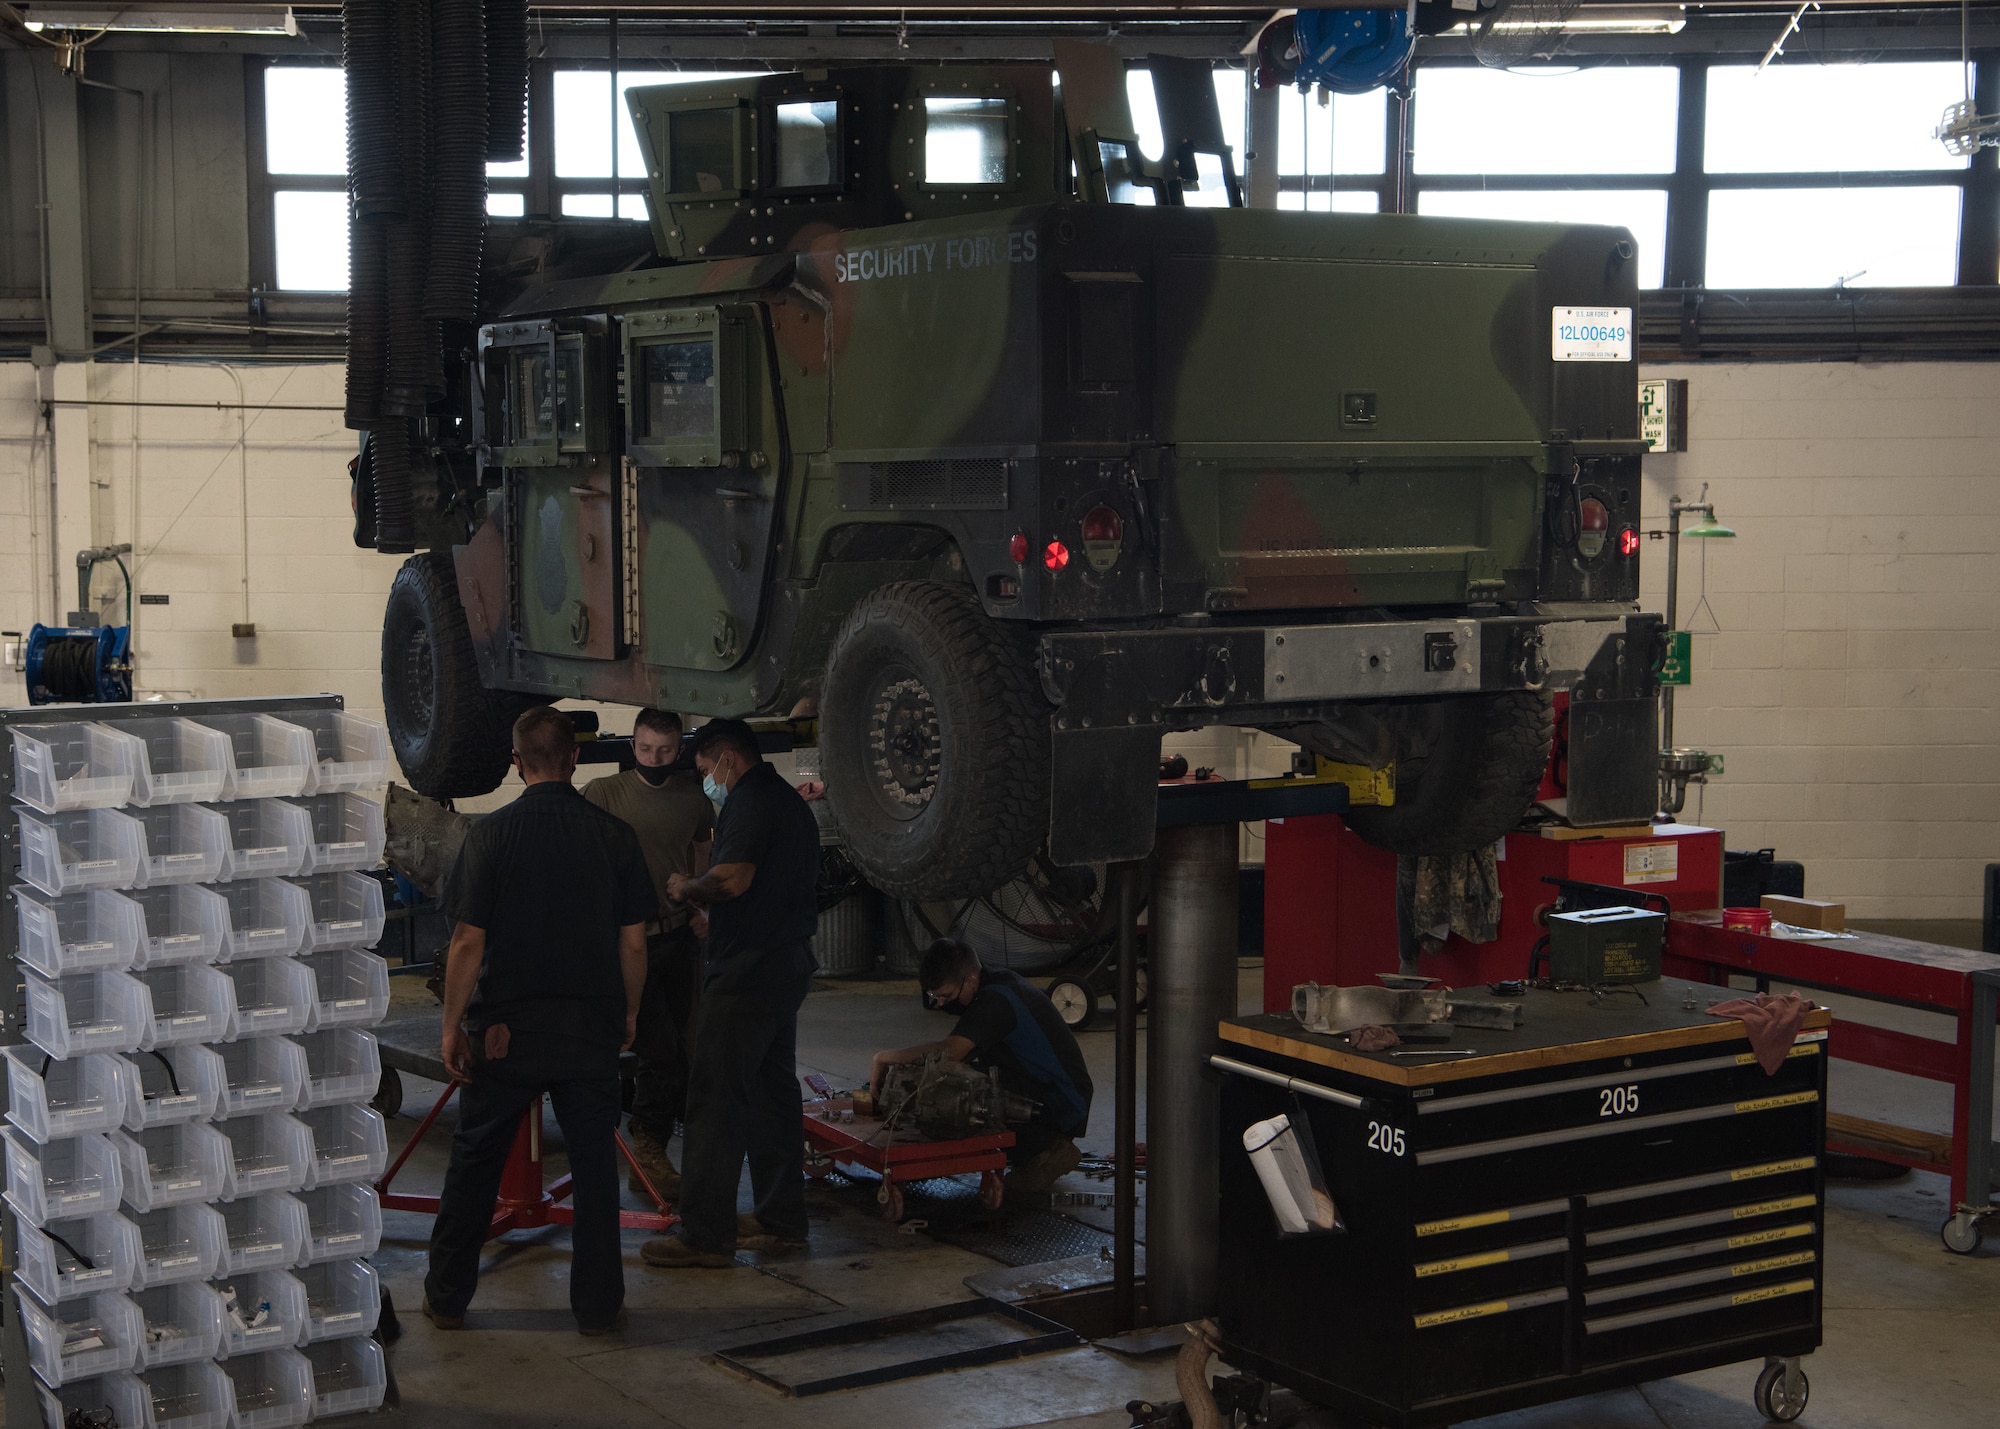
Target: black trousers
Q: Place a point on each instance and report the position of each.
(666, 1027)
(582, 1086)
(743, 1101)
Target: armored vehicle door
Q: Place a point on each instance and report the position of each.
(702, 445)
(549, 403)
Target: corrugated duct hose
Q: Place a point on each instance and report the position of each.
(434, 90)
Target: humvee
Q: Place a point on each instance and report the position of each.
(946, 415)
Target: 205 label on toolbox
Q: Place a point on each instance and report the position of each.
(1591, 335)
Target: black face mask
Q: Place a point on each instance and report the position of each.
(654, 774)
(955, 1007)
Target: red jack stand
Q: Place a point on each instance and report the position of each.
(524, 1203)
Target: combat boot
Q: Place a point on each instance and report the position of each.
(651, 1154)
(1039, 1175)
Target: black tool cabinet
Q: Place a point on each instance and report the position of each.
(1613, 1192)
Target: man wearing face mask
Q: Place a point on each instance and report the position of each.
(761, 894)
(674, 821)
(1004, 1021)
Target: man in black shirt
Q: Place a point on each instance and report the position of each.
(762, 896)
(550, 899)
(1007, 1022)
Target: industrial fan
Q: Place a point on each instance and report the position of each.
(1516, 32)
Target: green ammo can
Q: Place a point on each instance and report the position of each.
(1601, 945)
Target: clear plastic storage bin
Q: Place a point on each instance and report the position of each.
(88, 1012)
(65, 1259)
(352, 988)
(347, 911)
(86, 848)
(169, 1085)
(274, 996)
(79, 932)
(268, 838)
(121, 1395)
(189, 1396)
(352, 751)
(181, 924)
(182, 1321)
(347, 833)
(270, 758)
(350, 1143)
(261, 1309)
(342, 1222)
(268, 918)
(76, 1176)
(180, 762)
(172, 1165)
(185, 843)
(272, 1152)
(343, 1297)
(72, 766)
(80, 1338)
(266, 1231)
(274, 1390)
(261, 1074)
(192, 1002)
(179, 1243)
(47, 1098)
(343, 1064)
(350, 1376)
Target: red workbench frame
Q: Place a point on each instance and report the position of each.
(856, 1143)
(1956, 981)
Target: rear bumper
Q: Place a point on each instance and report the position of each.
(1256, 674)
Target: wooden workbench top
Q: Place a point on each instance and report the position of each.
(1559, 1027)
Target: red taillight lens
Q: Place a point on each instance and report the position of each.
(1017, 547)
(1628, 541)
(1593, 522)
(1595, 517)
(1056, 556)
(1102, 524)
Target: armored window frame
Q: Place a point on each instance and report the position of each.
(578, 347)
(659, 148)
(725, 439)
(768, 121)
(921, 173)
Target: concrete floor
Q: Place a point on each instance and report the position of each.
(1909, 1326)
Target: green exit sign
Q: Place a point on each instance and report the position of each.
(1678, 667)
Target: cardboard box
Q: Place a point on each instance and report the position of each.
(1807, 913)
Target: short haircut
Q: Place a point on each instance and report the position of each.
(728, 734)
(544, 738)
(658, 721)
(944, 960)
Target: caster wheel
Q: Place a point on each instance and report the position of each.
(890, 1198)
(388, 1098)
(1075, 1003)
(1962, 1235)
(991, 1190)
(1772, 1399)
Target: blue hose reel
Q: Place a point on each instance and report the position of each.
(79, 665)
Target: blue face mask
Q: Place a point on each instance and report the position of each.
(716, 793)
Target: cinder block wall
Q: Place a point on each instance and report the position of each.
(1852, 687)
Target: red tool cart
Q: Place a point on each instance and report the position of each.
(836, 1137)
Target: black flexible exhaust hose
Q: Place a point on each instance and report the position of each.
(395, 518)
(506, 78)
(413, 359)
(458, 185)
(368, 43)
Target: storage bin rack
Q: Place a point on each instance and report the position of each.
(184, 892)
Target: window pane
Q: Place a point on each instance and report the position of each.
(633, 206)
(1344, 201)
(583, 123)
(305, 121)
(1812, 118)
(1119, 171)
(1346, 137)
(701, 151)
(631, 164)
(680, 390)
(1644, 211)
(1229, 96)
(965, 141)
(1145, 112)
(586, 205)
(506, 205)
(516, 170)
(1814, 238)
(1615, 120)
(532, 397)
(1210, 192)
(809, 144)
(311, 234)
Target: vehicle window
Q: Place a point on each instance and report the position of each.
(809, 144)
(532, 397)
(965, 140)
(1120, 164)
(679, 382)
(701, 146)
(569, 394)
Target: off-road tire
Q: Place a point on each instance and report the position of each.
(921, 663)
(450, 733)
(1472, 783)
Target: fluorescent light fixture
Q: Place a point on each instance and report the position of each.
(1602, 20)
(244, 20)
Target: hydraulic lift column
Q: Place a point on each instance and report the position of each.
(1192, 989)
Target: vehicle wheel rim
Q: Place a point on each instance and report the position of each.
(905, 743)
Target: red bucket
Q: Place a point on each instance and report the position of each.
(1747, 920)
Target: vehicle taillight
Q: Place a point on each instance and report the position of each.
(1017, 547)
(1628, 541)
(1056, 556)
(1593, 522)
(1102, 524)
